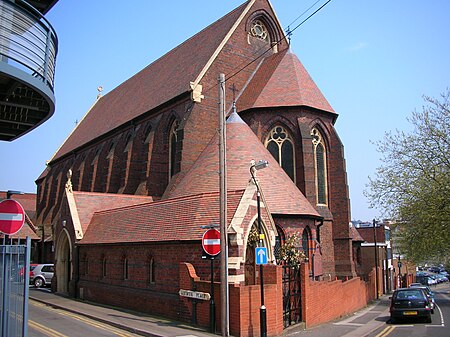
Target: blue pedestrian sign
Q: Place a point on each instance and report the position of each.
(261, 255)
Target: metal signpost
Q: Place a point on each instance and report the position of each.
(211, 247)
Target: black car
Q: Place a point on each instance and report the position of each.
(410, 303)
(428, 292)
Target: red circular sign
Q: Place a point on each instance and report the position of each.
(12, 216)
(211, 242)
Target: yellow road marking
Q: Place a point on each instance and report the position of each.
(45, 330)
(83, 319)
(386, 331)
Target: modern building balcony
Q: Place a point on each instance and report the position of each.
(28, 48)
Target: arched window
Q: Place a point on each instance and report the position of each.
(125, 269)
(320, 163)
(151, 271)
(306, 237)
(104, 263)
(173, 139)
(281, 146)
(279, 241)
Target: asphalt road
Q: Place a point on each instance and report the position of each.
(439, 327)
(47, 321)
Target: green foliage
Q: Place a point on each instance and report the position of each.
(289, 252)
(253, 237)
(413, 183)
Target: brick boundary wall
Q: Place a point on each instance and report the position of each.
(324, 301)
(244, 302)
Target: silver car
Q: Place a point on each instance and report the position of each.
(42, 274)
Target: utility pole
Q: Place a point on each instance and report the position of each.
(376, 255)
(224, 315)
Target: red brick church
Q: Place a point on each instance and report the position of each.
(123, 199)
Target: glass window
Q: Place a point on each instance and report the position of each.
(320, 163)
(305, 242)
(125, 269)
(260, 31)
(173, 139)
(281, 146)
(151, 271)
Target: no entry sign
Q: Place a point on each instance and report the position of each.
(12, 216)
(211, 242)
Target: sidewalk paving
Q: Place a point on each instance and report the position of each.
(138, 323)
(359, 324)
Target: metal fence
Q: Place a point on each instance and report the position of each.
(15, 278)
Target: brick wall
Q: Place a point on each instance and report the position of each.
(244, 303)
(137, 292)
(328, 300)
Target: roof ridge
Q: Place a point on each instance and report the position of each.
(111, 194)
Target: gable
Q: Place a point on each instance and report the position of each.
(163, 80)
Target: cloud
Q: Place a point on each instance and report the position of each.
(358, 46)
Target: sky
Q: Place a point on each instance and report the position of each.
(372, 59)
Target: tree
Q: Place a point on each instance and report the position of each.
(413, 184)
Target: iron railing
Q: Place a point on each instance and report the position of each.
(14, 289)
(27, 40)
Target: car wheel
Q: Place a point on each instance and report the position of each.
(392, 320)
(38, 282)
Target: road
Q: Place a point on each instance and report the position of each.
(440, 326)
(47, 321)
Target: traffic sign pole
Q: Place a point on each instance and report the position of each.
(211, 246)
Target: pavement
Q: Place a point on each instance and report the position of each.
(358, 324)
(134, 322)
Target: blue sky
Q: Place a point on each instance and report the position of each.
(373, 61)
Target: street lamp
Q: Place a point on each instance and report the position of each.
(262, 311)
(376, 254)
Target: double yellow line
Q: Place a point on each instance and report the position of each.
(50, 332)
(44, 329)
(386, 331)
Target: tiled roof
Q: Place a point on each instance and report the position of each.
(89, 202)
(161, 81)
(27, 200)
(281, 80)
(282, 195)
(356, 236)
(166, 220)
(25, 231)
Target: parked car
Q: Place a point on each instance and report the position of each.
(441, 278)
(428, 292)
(42, 274)
(410, 303)
(415, 285)
(431, 280)
(434, 269)
(21, 271)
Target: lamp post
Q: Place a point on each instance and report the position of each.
(376, 255)
(262, 311)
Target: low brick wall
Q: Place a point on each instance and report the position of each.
(324, 301)
(244, 303)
